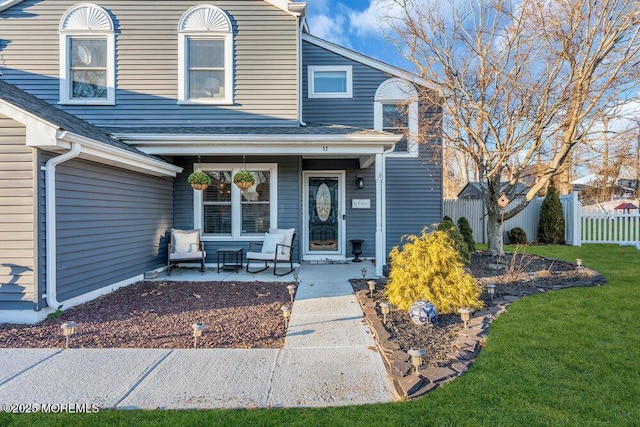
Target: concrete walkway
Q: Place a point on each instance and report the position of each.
(329, 359)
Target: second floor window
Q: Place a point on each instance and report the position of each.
(87, 56)
(329, 81)
(205, 57)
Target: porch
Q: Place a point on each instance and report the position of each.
(308, 272)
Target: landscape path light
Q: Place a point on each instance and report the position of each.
(532, 276)
(416, 357)
(385, 307)
(372, 286)
(491, 289)
(286, 313)
(197, 332)
(68, 329)
(292, 290)
(579, 262)
(465, 315)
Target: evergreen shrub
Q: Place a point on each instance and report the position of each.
(447, 225)
(467, 233)
(517, 236)
(551, 225)
(428, 268)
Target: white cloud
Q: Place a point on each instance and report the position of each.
(330, 29)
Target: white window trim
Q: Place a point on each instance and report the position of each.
(397, 91)
(236, 198)
(66, 34)
(222, 32)
(311, 70)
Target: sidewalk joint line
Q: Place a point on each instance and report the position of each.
(142, 377)
(36, 363)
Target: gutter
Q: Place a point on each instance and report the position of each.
(50, 192)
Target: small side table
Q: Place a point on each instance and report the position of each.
(237, 259)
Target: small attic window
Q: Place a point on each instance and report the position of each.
(87, 56)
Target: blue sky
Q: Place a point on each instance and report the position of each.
(354, 24)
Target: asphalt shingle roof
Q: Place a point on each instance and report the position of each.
(310, 129)
(60, 118)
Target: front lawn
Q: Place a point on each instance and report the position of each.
(562, 358)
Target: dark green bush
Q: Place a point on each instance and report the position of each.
(467, 233)
(551, 226)
(447, 225)
(517, 236)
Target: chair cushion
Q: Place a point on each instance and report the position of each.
(185, 240)
(259, 256)
(187, 255)
(271, 241)
(288, 238)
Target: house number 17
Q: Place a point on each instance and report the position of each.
(325, 148)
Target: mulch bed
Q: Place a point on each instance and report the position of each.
(511, 279)
(247, 315)
(160, 315)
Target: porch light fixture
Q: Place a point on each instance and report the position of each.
(491, 290)
(286, 313)
(372, 286)
(385, 307)
(68, 329)
(292, 290)
(197, 332)
(364, 273)
(416, 357)
(465, 315)
(360, 182)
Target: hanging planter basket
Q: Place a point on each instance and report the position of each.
(244, 179)
(199, 180)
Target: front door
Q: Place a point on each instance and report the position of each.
(324, 215)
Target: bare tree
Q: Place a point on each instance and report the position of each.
(520, 82)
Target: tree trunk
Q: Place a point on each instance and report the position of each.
(494, 233)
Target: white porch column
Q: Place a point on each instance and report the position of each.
(380, 244)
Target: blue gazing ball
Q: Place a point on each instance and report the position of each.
(423, 312)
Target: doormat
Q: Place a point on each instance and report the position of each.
(327, 261)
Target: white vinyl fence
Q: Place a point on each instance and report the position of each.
(620, 227)
(527, 219)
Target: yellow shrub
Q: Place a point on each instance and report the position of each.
(428, 268)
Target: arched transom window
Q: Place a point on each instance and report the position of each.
(87, 56)
(395, 110)
(205, 56)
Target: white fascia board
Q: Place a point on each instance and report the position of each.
(107, 154)
(363, 59)
(6, 4)
(326, 145)
(39, 131)
(141, 139)
(288, 6)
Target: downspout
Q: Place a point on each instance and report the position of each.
(300, 25)
(50, 209)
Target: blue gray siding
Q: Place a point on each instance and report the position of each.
(356, 111)
(289, 198)
(413, 184)
(112, 225)
(265, 60)
(17, 218)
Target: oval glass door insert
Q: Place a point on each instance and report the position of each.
(323, 202)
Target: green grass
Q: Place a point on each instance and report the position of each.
(561, 358)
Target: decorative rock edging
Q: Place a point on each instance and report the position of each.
(464, 348)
